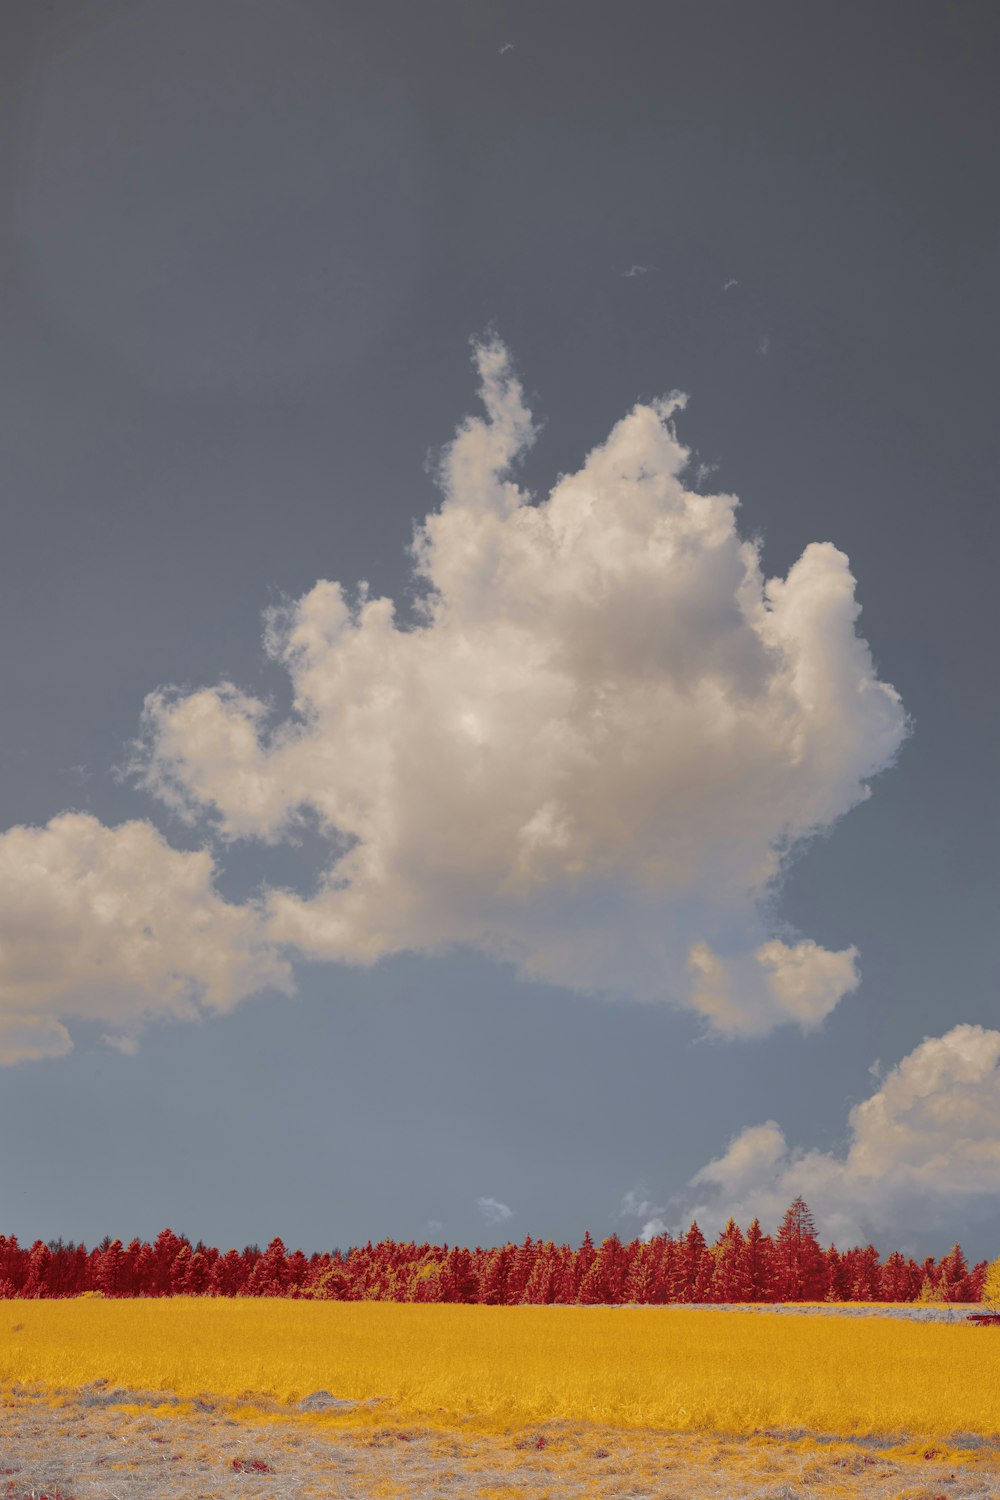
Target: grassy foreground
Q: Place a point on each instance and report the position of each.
(671, 1368)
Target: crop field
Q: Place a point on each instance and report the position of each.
(271, 1397)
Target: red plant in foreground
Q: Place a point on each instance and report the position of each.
(45, 1495)
(251, 1466)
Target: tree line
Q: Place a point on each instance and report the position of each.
(790, 1266)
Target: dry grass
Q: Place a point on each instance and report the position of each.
(89, 1448)
(488, 1369)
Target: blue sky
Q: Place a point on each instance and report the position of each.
(500, 621)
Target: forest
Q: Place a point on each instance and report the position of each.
(790, 1266)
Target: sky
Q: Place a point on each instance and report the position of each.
(500, 620)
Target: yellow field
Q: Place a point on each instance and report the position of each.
(494, 1368)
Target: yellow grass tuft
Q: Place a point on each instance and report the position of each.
(493, 1368)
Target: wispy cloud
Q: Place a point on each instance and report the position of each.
(636, 1206)
(639, 270)
(493, 1211)
(727, 286)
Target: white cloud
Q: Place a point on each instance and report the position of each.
(775, 983)
(634, 1205)
(112, 925)
(28, 1038)
(589, 756)
(493, 1211)
(924, 1151)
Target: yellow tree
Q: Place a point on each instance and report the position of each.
(991, 1286)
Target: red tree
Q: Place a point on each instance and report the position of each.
(863, 1271)
(799, 1272)
(758, 1254)
(894, 1282)
(953, 1277)
(729, 1279)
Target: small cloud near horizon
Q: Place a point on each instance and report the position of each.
(493, 1211)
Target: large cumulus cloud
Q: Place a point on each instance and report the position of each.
(590, 752)
(924, 1153)
(111, 925)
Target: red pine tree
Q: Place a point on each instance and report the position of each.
(863, 1271)
(729, 1279)
(836, 1276)
(798, 1260)
(953, 1276)
(758, 1255)
(894, 1282)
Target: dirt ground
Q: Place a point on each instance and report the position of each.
(106, 1444)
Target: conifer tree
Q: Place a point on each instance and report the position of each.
(460, 1279)
(227, 1274)
(798, 1259)
(269, 1275)
(640, 1282)
(729, 1275)
(39, 1260)
(541, 1285)
(953, 1276)
(894, 1283)
(110, 1276)
(928, 1280)
(520, 1271)
(692, 1268)
(977, 1277)
(836, 1281)
(179, 1271)
(614, 1267)
(164, 1253)
(493, 1283)
(583, 1259)
(565, 1277)
(758, 1252)
(663, 1257)
(864, 1274)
